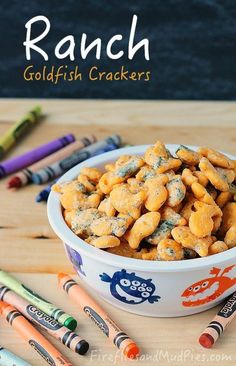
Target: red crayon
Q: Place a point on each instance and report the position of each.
(217, 326)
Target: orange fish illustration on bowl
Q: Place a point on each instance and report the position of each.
(204, 291)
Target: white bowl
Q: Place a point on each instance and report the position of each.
(151, 288)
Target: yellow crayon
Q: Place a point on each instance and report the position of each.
(19, 129)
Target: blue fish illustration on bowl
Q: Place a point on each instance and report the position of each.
(129, 288)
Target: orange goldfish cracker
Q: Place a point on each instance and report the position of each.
(103, 242)
(72, 186)
(216, 179)
(201, 194)
(125, 251)
(202, 179)
(126, 202)
(93, 174)
(184, 236)
(108, 180)
(168, 214)
(187, 155)
(156, 192)
(144, 173)
(179, 207)
(229, 217)
(217, 247)
(163, 231)
(201, 222)
(159, 158)
(188, 206)
(142, 228)
(227, 174)
(216, 158)
(127, 166)
(176, 190)
(110, 167)
(109, 226)
(80, 224)
(169, 250)
(134, 185)
(149, 255)
(82, 178)
(188, 178)
(71, 200)
(106, 207)
(68, 216)
(230, 237)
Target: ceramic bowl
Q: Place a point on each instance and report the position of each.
(150, 288)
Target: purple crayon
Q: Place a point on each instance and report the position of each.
(12, 165)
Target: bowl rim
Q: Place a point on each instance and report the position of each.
(61, 229)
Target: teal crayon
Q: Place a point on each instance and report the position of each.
(8, 358)
(35, 299)
(54, 170)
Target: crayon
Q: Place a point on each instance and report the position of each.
(19, 129)
(50, 325)
(48, 308)
(54, 170)
(24, 176)
(35, 339)
(217, 326)
(17, 163)
(120, 339)
(8, 358)
(43, 195)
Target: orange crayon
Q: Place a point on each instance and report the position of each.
(36, 340)
(98, 316)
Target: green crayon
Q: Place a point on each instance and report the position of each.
(48, 308)
(19, 129)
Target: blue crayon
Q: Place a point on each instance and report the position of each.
(9, 359)
(43, 195)
(57, 169)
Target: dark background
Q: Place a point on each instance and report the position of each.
(192, 47)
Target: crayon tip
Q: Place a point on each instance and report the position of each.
(206, 340)
(70, 323)
(131, 351)
(61, 276)
(82, 347)
(14, 182)
(39, 198)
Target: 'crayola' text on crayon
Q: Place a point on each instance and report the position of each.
(85, 47)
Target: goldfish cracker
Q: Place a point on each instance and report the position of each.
(216, 158)
(142, 228)
(168, 214)
(187, 155)
(109, 226)
(201, 222)
(135, 185)
(230, 236)
(83, 179)
(184, 236)
(126, 202)
(110, 167)
(202, 179)
(156, 192)
(149, 255)
(169, 250)
(93, 174)
(159, 158)
(163, 231)
(188, 178)
(80, 223)
(126, 166)
(201, 194)
(129, 219)
(106, 207)
(144, 173)
(217, 247)
(176, 191)
(216, 179)
(124, 250)
(103, 242)
(108, 180)
(227, 174)
(188, 206)
(229, 217)
(178, 207)
(68, 216)
(71, 200)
